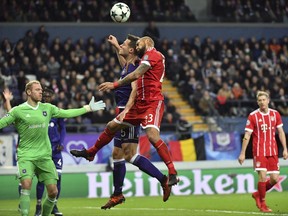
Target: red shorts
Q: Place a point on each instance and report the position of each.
(269, 163)
(147, 114)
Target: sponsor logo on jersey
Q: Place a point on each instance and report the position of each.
(44, 113)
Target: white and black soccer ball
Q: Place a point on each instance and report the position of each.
(120, 12)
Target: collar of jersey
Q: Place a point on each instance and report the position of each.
(34, 108)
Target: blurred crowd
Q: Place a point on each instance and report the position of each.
(221, 77)
(218, 77)
(142, 11)
(92, 11)
(266, 11)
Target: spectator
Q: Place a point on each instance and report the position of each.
(152, 31)
(207, 105)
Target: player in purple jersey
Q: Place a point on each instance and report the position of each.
(126, 140)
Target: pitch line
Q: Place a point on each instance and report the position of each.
(192, 210)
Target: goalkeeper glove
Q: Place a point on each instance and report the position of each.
(92, 107)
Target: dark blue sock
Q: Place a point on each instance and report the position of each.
(118, 176)
(146, 166)
(39, 190)
(19, 189)
(59, 185)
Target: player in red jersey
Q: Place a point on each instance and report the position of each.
(262, 124)
(146, 111)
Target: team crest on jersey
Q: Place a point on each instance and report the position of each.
(272, 118)
(145, 57)
(44, 113)
(24, 171)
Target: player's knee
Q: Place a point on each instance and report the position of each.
(117, 153)
(112, 126)
(129, 151)
(152, 135)
(274, 180)
(52, 192)
(127, 155)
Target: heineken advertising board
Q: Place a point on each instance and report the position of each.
(137, 183)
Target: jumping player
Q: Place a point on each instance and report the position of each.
(126, 140)
(148, 108)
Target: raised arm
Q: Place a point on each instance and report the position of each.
(114, 42)
(8, 97)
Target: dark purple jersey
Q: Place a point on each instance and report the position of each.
(56, 132)
(122, 93)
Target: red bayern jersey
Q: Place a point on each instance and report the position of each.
(149, 85)
(263, 127)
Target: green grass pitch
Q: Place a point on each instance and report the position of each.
(233, 204)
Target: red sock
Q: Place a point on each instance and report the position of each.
(105, 137)
(268, 185)
(164, 153)
(262, 191)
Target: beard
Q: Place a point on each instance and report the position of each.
(141, 52)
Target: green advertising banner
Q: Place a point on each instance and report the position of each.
(137, 183)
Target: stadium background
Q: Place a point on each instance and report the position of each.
(211, 140)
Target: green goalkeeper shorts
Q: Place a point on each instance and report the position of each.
(44, 169)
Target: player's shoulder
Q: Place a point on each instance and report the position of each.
(19, 107)
(274, 112)
(254, 112)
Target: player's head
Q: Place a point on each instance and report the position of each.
(132, 40)
(263, 100)
(33, 89)
(129, 45)
(47, 95)
(143, 44)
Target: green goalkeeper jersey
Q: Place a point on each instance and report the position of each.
(32, 126)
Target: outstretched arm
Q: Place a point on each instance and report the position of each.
(139, 71)
(70, 113)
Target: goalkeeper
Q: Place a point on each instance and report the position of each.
(34, 154)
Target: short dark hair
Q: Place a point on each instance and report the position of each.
(133, 39)
(48, 91)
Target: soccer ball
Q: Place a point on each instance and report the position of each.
(120, 12)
